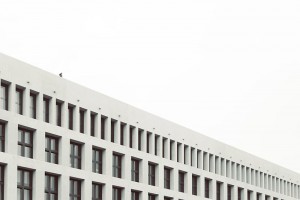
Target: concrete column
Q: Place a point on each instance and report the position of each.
(126, 171)
(108, 129)
(174, 180)
(188, 183)
(126, 135)
(117, 132)
(76, 119)
(64, 182)
(87, 157)
(144, 172)
(10, 186)
(213, 188)
(97, 125)
(135, 138)
(26, 102)
(235, 193)
(202, 186)
(144, 141)
(12, 97)
(11, 138)
(86, 188)
(39, 145)
(64, 115)
(151, 143)
(107, 166)
(87, 122)
(38, 184)
(64, 152)
(160, 176)
(39, 107)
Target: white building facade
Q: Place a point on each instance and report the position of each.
(60, 141)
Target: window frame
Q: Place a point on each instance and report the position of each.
(48, 190)
(21, 186)
(167, 178)
(2, 135)
(49, 151)
(19, 100)
(72, 191)
(181, 180)
(2, 178)
(135, 169)
(4, 98)
(22, 144)
(99, 187)
(152, 174)
(74, 157)
(117, 166)
(117, 191)
(46, 109)
(97, 152)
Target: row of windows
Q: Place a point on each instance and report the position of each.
(142, 140)
(25, 188)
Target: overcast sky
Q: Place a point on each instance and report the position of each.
(227, 69)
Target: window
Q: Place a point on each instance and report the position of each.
(207, 183)
(51, 149)
(181, 181)
(140, 136)
(24, 184)
(1, 182)
(229, 192)
(117, 165)
(151, 173)
(2, 136)
(97, 160)
(122, 133)
(117, 193)
(112, 130)
(51, 187)
(32, 106)
(135, 195)
(195, 184)
(75, 155)
(135, 165)
(19, 101)
(218, 193)
(103, 127)
(249, 195)
(25, 143)
(75, 189)
(152, 196)
(131, 132)
(240, 193)
(58, 112)
(93, 123)
(148, 142)
(97, 191)
(82, 119)
(167, 178)
(46, 109)
(4, 96)
(71, 116)
(156, 145)
(168, 198)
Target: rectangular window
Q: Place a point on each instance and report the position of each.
(71, 116)
(4, 96)
(97, 192)
(75, 155)
(32, 104)
(25, 143)
(113, 129)
(218, 193)
(131, 132)
(207, 184)
(1, 182)
(75, 189)
(19, 100)
(167, 178)
(156, 145)
(51, 187)
(152, 196)
(181, 181)
(51, 149)
(195, 184)
(140, 136)
(103, 127)
(82, 119)
(116, 193)
(148, 142)
(93, 123)
(46, 109)
(229, 192)
(135, 170)
(135, 195)
(117, 165)
(249, 195)
(122, 133)
(168, 198)
(2, 136)
(24, 184)
(240, 193)
(151, 173)
(97, 160)
(58, 112)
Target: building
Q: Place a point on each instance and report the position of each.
(59, 141)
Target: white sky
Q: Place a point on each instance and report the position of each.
(228, 69)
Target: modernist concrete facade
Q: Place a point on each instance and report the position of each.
(62, 141)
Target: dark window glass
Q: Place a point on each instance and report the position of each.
(75, 155)
(32, 106)
(167, 178)
(75, 189)
(81, 120)
(25, 143)
(229, 192)
(46, 109)
(117, 193)
(140, 135)
(218, 193)
(97, 160)
(4, 96)
(135, 195)
(122, 132)
(112, 130)
(135, 167)
(51, 187)
(240, 191)
(168, 198)
(156, 145)
(24, 184)
(117, 165)
(151, 174)
(131, 130)
(97, 191)
(148, 142)
(19, 101)
(1, 182)
(249, 195)
(51, 149)
(152, 197)
(71, 116)
(2, 137)
(195, 185)
(58, 112)
(103, 127)
(181, 181)
(93, 119)
(207, 188)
